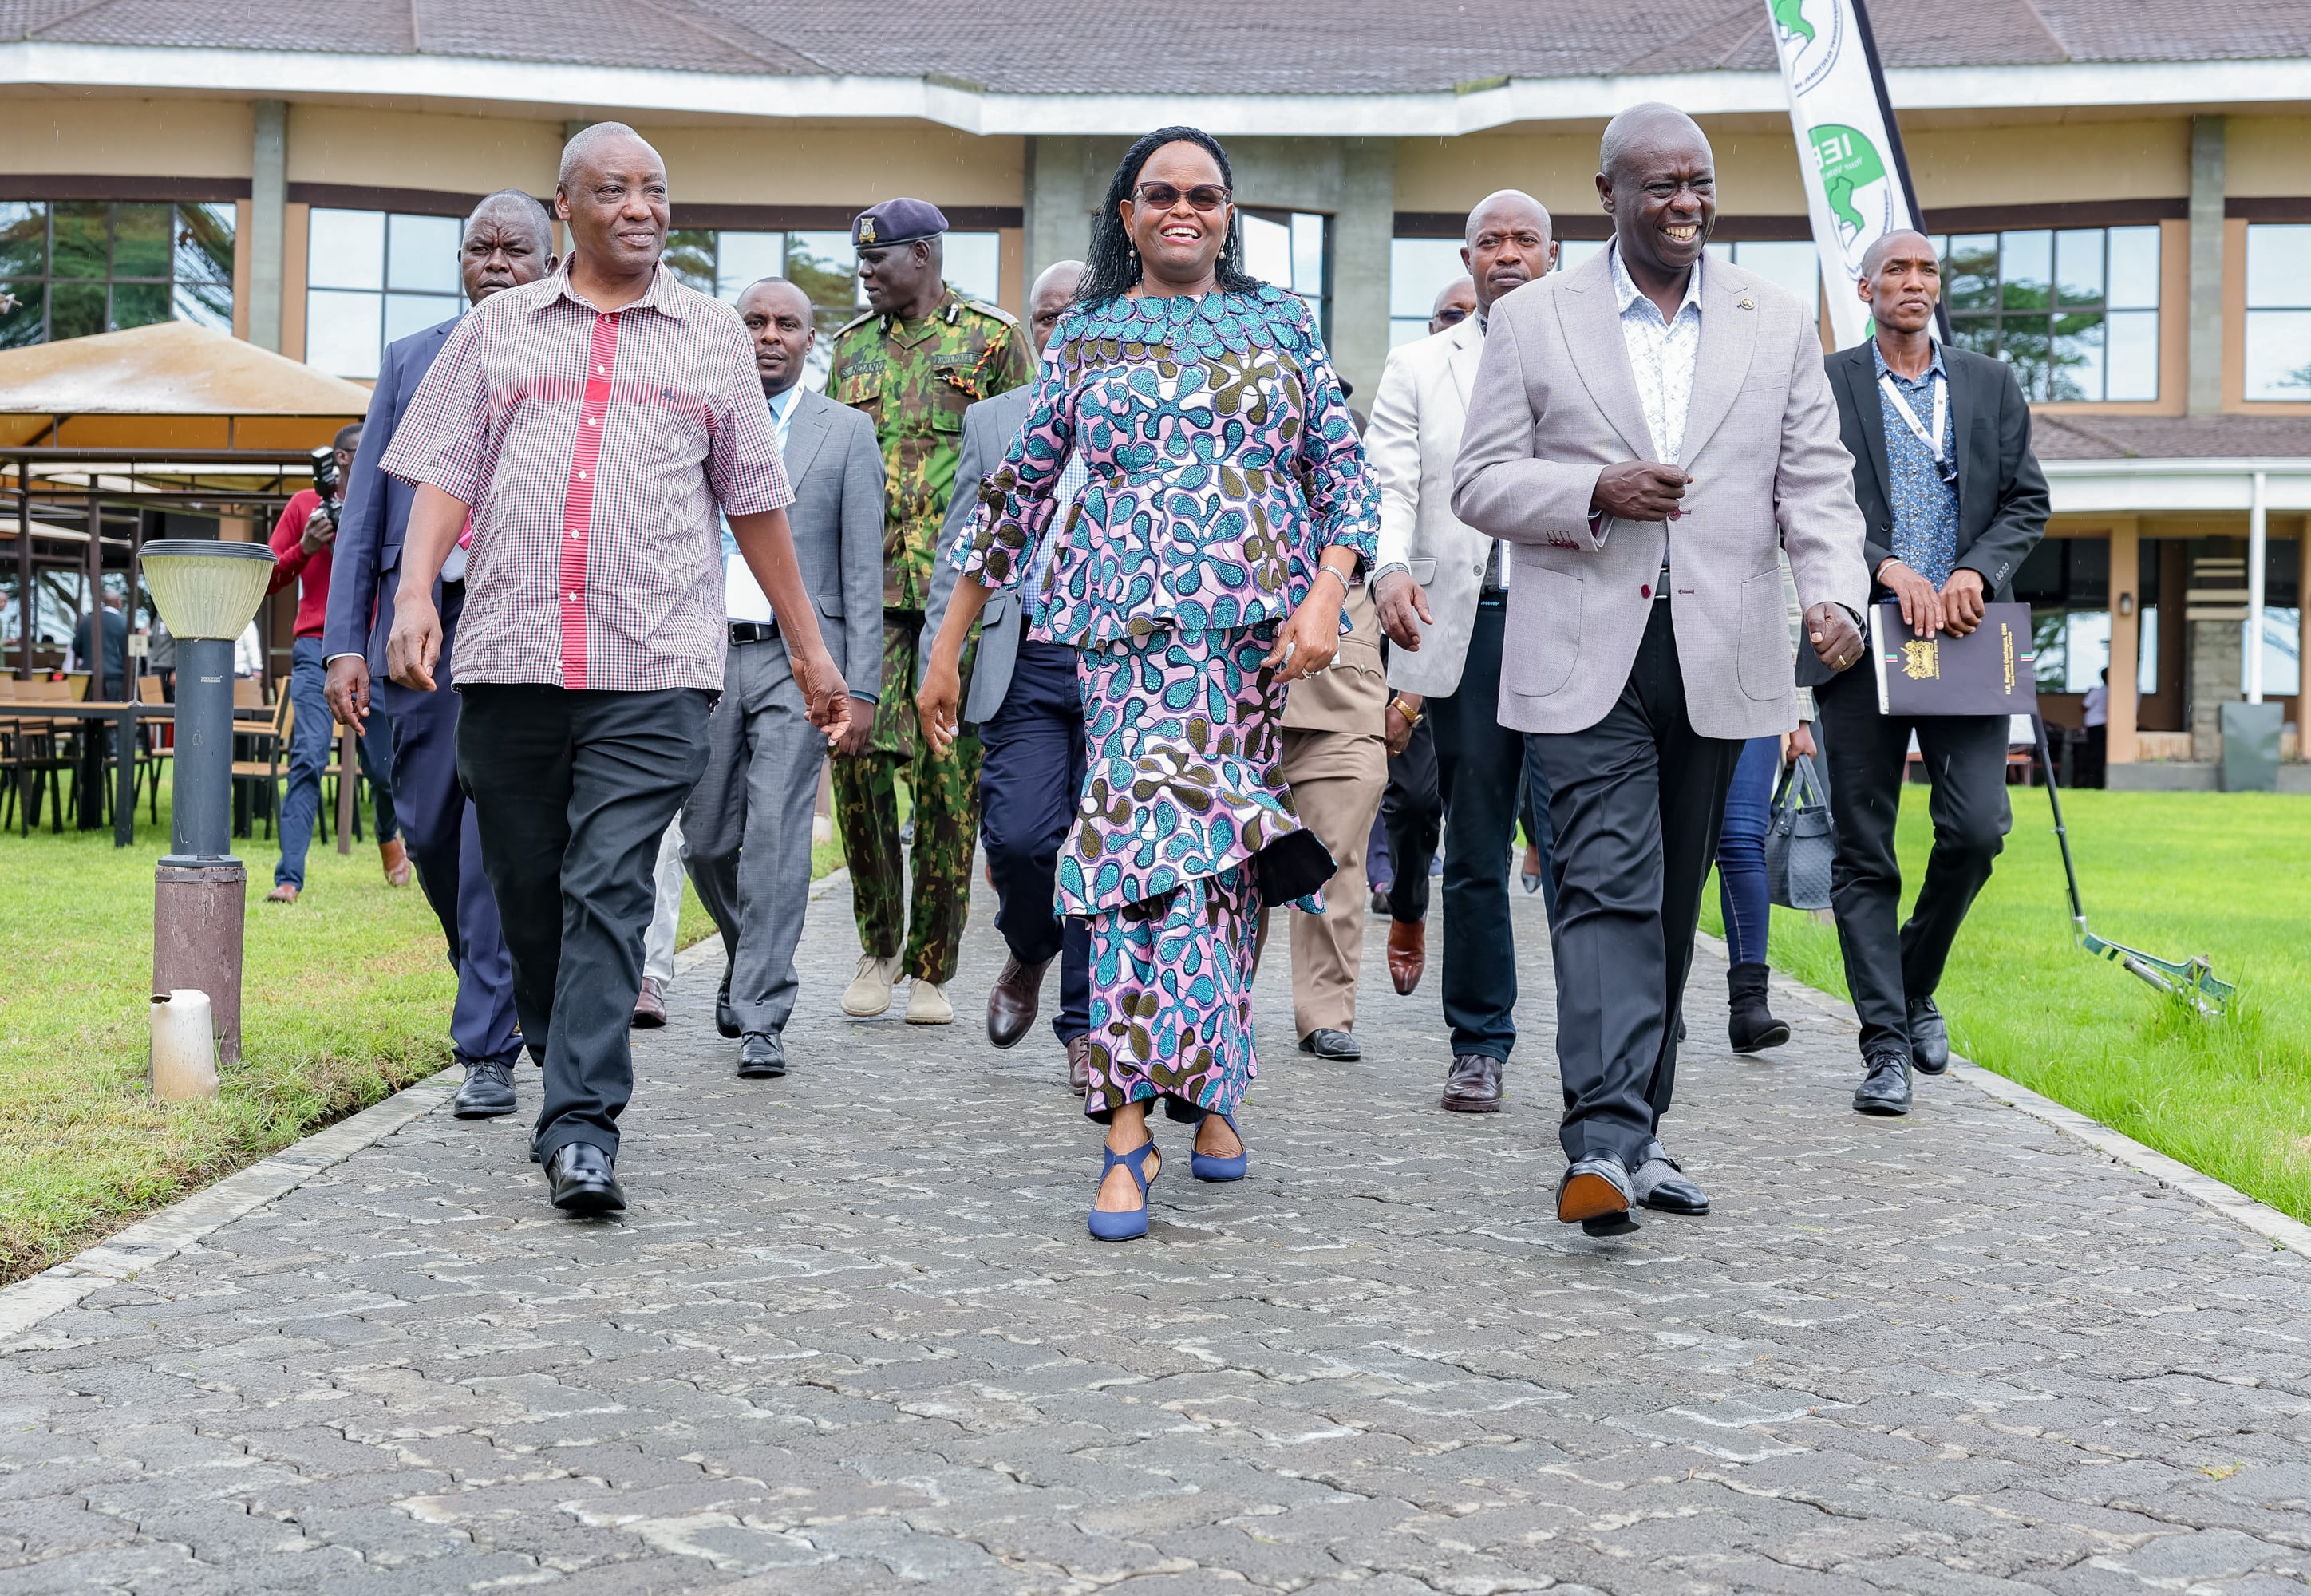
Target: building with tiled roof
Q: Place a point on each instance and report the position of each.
(2121, 188)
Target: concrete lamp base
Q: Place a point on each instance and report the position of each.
(198, 910)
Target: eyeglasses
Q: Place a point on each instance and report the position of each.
(1205, 197)
(1449, 314)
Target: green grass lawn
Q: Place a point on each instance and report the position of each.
(345, 999)
(2228, 875)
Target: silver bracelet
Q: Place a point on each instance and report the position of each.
(1328, 570)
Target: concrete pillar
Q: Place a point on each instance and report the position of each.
(2216, 603)
(268, 217)
(1354, 182)
(2206, 389)
(1066, 179)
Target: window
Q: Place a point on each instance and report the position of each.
(2279, 311)
(1418, 270)
(2073, 310)
(1293, 250)
(2066, 583)
(372, 277)
(70, 268)
(2283, 621)
(725, 262)
(1791, 264)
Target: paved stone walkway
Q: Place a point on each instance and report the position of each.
(852, 1338)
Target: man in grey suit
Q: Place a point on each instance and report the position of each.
(1650, 429)
(747, 827)
(1028, 707)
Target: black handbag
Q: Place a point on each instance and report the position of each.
(1801, 843)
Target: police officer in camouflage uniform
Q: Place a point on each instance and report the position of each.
(914, 362)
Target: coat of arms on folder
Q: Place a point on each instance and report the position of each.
(1992, 670)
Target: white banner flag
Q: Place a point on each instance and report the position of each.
(1856, 185)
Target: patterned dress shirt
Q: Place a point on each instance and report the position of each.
(594, 448)
(1925, 507)
(1661, 354)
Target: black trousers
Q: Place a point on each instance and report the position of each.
(1636, 800)
(1965, 759)
(1479, 783)
(1412, 813)
(571, 792)
(1031, 772)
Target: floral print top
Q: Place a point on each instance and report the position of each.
(1222, 463)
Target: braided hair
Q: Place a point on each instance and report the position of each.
(1114, 263)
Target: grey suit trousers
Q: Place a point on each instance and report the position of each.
(754, 804)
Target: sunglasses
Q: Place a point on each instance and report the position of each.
(1205, 197)
(1451, 314)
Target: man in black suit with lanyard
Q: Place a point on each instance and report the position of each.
(1953, 500)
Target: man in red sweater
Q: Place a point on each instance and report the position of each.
(300, 548)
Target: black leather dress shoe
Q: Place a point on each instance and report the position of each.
(1012, 1001)
(1473, 1084)
(488, 1091)
(1929, 1038)
(1338, 1046)
(581, 1178)
(761, 1057)
(1594, 1193)
(1885, 1087)
(725, 1019)
(1662, 1186)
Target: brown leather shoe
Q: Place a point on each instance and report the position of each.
(1408, 953)
(286, 893)
(649, 1005)
(1012, 1001)
(395, 858)
(1079, 1065)
(1473, 1084)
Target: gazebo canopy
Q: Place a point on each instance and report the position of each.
(171, 385)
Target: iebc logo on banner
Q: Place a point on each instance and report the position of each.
(1857, 184)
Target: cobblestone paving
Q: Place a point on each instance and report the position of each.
(852, 1337)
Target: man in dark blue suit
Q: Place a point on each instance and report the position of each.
(508, 241)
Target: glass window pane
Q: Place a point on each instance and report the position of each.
(2026, 268)
(2025, 344)
(75, 310)
(2133, 268)
(408, 313)
(139, 304)
(208, 304)
(24, 307)
(1401, 329)
(2131, 354)
(2077, 266)
(2078, 358)
(742, 259)
(205, 236)
(1307, 253)
(2279, 267)
(1977, 333)
(972, 263)
(340, 331)
(1785, 264)
(2047, 633)
(2282, 652)
(80, 246)
(1418, 271)
(690, 254)
(824, 266)
(345, 249)
(2278, 354)
(2146, 652)
(2086, 649)
(1970, 272)
(23, 239)
(1573, 252)
(1267, 249)
(422, 253)
(142, 240)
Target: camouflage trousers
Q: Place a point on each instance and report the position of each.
(946, 793)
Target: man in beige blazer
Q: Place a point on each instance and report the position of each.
(1650, 429)
(1442, 588)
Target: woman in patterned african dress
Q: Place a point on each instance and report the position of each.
(1203, 568)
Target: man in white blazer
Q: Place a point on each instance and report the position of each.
(1442, 588)
(1650, 429)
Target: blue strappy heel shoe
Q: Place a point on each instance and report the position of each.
(1204, 1166)
(1132, 1223)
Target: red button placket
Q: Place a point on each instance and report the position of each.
(578, 498)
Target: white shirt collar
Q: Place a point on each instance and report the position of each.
(1627, 293)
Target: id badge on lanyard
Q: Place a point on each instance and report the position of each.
(1946, 469)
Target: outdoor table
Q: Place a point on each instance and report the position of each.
(124, 717)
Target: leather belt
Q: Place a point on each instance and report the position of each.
(753, 632)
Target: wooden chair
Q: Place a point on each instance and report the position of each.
(156, 744)
(273, 744)
(248, 693)
(37, 762)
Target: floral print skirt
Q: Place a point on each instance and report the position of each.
(1184, 789)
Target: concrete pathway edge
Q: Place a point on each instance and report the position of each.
(161, 1236)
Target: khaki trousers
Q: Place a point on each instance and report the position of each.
(1337, 779)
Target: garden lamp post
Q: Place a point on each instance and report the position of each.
(208, 591)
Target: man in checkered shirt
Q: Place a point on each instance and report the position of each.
(578, 435)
